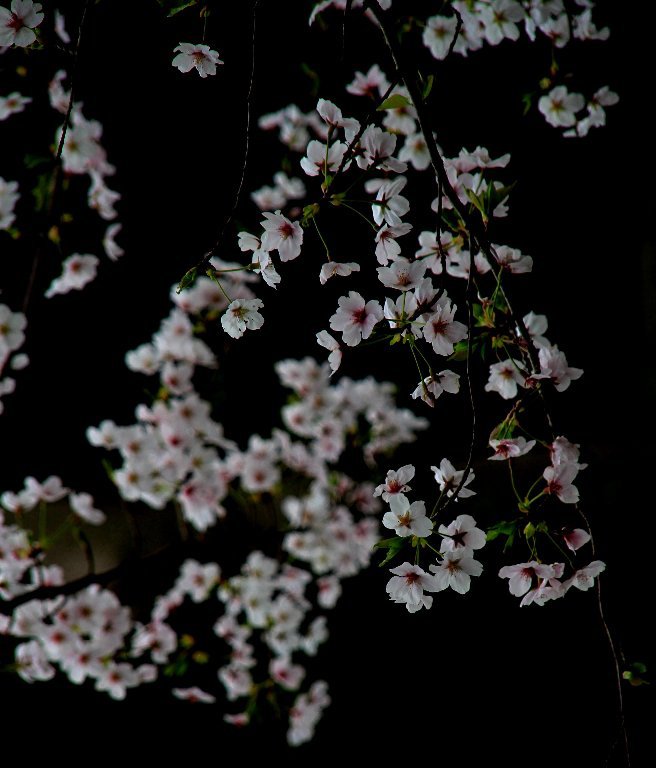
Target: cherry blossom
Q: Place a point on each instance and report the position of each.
(407, 587)
(583, 579)
(8, 198)
(78, 270)
(448, 479)
(504, 378)
(439, 34)
(432, 386)
(559, 482)
(510, 448)
(455, 571)
(18, 24)
(441, 330)
(198, 56)
(520, 577)
(372, 83)
(559, 107)
(407, 519)
(461, 534)
(194, 694)
(333, 268)
(321, 159)
(240, 315)
(332, 345)
(282, 235)
(13, 104)
(355, 318)
(82, 505)
(575, 538)
(396, 482)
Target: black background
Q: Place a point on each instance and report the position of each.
(476, 679)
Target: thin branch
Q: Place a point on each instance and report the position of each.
(204, 263)
(56, 179)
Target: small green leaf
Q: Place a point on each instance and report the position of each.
(34, 161)
(478, 203)
(395, 101)
(460, 351)
(175, 6)
(42, 191)
(428, 87)
(502, 528)
(393, 545)
(188, 279)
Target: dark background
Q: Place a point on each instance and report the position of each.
(476, 678)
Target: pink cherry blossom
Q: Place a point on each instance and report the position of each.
(396, 482)
(559, 482)
(407, 587)
(455, 570)
(282, 235)
(441, 330)
(18, 24)
(461, 534)
(407, 519)
(510, 448)
(576, 538)
(448, 479)
(240, 315)
(355, 318)
(520, 576)
(198, 56)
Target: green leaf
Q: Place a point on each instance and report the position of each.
(42, 191)
(502, 528)
(392, 545)
(175, 6)
(428, 87)
(478, 203)
(188, 279)
(314, 77)
(459, 351)
(34, 161)
(395, 101)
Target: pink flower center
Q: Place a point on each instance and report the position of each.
(15, 22)
(285, 230)
(359, 316)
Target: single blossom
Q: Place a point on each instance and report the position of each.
(201, 57)
(333, 268)
(17, 24)
(455, 570)
(407, 587)
(449, 479)
(520, 577)
(407, 519)
(396, 482)
(240, 315)
(355, 318)
(282, 235)
(461, 534)
(327, 341)
(510, 448)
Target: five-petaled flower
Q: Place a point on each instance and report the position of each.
(201, 57)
